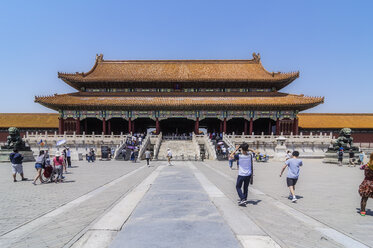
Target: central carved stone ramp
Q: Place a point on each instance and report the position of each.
(181, 150)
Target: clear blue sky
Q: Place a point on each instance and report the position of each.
(329, 42)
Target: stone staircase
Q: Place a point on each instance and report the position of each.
(181, 150)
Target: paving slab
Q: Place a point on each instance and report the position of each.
(271, 209)
(58, 224)
(176, 212)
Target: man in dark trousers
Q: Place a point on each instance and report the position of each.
(16, 160)
(124, 153)
(245, 172)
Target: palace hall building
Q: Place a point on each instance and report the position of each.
(178, 96)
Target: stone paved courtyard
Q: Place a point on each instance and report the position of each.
(190, 204)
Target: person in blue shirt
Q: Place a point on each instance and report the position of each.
(245, 172)
(293, 165)
(16, 160)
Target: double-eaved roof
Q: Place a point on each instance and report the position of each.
(179, 74)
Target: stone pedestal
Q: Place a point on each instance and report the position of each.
(280, 149)
(28, 156)
(331, 157)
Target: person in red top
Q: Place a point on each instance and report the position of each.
(366, 187)
(58, 163)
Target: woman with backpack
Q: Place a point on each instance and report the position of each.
(39, 164)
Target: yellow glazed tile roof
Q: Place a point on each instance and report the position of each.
(182, 101)
(178, 71)
(310, 120)
(27, 120)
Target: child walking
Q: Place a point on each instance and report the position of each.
(293, 165)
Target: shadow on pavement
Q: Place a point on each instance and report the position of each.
(253, 202)
(368, 211)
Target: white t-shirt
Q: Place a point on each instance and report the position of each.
(244, 168)
(147, 154)
(169, 154)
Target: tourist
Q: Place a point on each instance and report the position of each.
(132, 156)
(147, 157)
(224, 151)
(231, 159)
(136, 153)
(169, 156)
(124, 153)
(288, 155)
(58, 163)
(17, 167)
(140, 140)
(64, 155)
(366, 187)
(361, 158)
(39, 164)
(91, 155)
(293, 165)
(112, 152)
(340, 156)
(68, 157)
(351, 160)
(245, 172)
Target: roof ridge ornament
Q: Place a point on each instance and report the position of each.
(256, 57)
(99, 57)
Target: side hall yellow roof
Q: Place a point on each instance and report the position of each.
(324, 121)
(28, 120)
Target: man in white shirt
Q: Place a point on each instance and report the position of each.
(169, 156)
(245, 172)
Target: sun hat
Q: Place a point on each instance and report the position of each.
(58, 154)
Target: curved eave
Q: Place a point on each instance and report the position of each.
(79, 83)
(173, 103)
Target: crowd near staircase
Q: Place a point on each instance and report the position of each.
(181, 150)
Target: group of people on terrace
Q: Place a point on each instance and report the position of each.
(132, 145)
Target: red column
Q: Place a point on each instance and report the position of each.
(225, 125)
(157, 131)
(77, 126)
(245, 127)
(221, 127)
(60, 126)
(104, 125)
(109, 126)
(196, 126)
(295, 126)
(129, 125)
(277, 126)
(251, 126)
(85, 126)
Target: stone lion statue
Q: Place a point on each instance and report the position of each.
(344, 140)
(14, 139)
